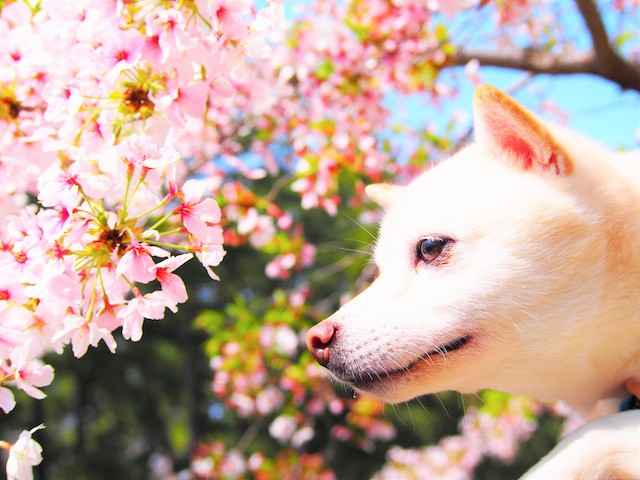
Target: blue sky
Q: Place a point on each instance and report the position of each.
(594, 106)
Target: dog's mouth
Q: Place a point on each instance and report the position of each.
(368, 378)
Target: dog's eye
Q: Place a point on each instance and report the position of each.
(430, 249)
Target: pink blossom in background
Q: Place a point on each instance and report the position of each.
(25, 454)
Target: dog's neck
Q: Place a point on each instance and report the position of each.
(606, 350)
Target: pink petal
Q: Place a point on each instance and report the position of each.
(154, 304)
(137, 265)
(108, 321)
(173, 263)
(38, 374)
(211, 273)
(80, 341)
(195, 226)
(208, 210)
(193, 190)
(132, 320)
(212, 255)
(30, 390)
(96, 334)
(132, 327)
(7, 401)
(157, 251)
(174, 288)
(124, 265)
(214, 236)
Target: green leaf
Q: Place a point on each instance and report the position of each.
(324, 70)
(361, 30)
(210, 320)
(625, 37)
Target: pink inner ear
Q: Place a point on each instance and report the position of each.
(516, 135)
(519, 147)
(506, 136)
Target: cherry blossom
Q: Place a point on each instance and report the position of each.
(23, 456)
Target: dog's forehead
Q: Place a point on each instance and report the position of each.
(447, 194)
(466, 196)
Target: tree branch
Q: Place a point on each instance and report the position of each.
(534, 61)
(610, 64)
(603, 61)
(615, 69)
(596, 28)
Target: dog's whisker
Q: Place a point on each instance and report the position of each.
(354, 250)
(418, 399)
(359, 224)
(443, 405)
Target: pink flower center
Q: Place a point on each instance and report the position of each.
(21, 257)
(38, 323)
(59, 252)
(121, 55)
(185, 210)
(70, 180)
(221, 12)
(138, 250)
(154, 41)
(5, 294)
(97, 129)
(63, 215)
(162, 274)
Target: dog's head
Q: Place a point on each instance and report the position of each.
(491, 265)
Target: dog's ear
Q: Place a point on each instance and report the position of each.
(382, 193)
(510, 131)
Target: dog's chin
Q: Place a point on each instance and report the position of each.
(402, 384)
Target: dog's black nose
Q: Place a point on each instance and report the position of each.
(319, 340)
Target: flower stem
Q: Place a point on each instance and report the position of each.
(101, 280)
(172, 246)
(171, 232)
(158, 205)
(86, 198)
(161, 221)
(125, 202)
(92, 303)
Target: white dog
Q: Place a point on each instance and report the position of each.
(514, 265)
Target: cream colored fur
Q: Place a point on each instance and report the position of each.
(605, 449)
(544, 275)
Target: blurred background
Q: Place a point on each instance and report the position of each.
(224, 388)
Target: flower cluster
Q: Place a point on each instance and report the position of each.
(258, 221)
(95, 198)
(495, 429)
(212, 461)
(340, 62)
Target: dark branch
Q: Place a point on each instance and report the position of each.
(596, 28)
(609, 63)
(530, 60)
(603, 61)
